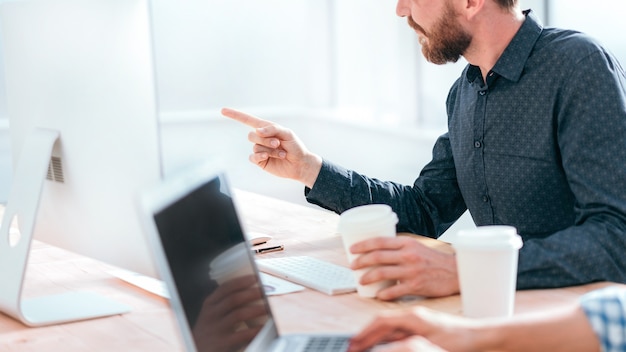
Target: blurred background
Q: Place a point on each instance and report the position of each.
(347, 76)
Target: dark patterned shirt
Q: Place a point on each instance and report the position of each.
(541, 145)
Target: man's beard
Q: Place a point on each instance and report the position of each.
(446, 42)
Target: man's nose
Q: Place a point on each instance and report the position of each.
(403, 9)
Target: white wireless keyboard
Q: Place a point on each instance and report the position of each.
(313, 273)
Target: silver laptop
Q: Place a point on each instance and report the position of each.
(209, 270)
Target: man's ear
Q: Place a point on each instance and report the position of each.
(473, 7)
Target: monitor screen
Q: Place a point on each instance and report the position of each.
(84, 69)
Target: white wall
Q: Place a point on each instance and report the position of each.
(354, 55)
(604, 20)
(241, 53)
(5, 160)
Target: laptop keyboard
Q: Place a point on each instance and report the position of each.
(327, 344)
(311, 272)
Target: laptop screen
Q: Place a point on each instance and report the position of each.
(212, 268)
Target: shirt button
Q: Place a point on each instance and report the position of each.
(485, 199)
(477, 144)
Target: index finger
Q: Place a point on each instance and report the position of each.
(244, 118)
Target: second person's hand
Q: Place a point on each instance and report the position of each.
(278, 150)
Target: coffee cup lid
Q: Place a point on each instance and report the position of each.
(366, 215)
(488, 237)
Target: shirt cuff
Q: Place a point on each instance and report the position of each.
(606, 311)
(330, 187)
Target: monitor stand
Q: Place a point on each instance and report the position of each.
(22, 206)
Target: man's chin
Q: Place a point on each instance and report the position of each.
(437, 60)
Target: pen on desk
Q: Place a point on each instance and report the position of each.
(269, 249)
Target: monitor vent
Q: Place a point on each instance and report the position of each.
(55, 170)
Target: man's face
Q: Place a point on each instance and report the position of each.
(445, 41)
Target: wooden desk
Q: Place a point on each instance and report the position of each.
(151, 325)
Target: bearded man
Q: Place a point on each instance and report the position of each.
(536, 140)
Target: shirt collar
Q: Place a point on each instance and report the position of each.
(512, 61)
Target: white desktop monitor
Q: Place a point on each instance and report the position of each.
(81, 98)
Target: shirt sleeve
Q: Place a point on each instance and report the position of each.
(427, 208)
(606, 311)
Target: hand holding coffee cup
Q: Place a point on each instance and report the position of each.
(365, 222)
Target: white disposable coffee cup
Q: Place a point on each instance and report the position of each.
(365, 222)
(487, 266)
